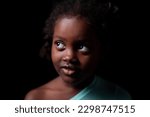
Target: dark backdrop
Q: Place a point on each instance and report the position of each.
(22, 69)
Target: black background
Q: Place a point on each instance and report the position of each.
(21, 38)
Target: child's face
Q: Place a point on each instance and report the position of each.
(75, 50)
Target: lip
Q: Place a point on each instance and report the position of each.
(68, 71)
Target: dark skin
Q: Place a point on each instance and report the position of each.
(75, 55)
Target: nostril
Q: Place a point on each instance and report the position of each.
(70, 56)
(71, 59)
(74, 60)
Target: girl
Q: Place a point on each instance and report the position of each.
(77, 32)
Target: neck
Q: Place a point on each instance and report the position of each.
(78, 85)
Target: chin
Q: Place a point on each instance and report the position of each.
(74, 80)
(68, 79)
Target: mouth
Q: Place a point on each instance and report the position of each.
(69, 70)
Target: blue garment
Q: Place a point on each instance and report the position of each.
(100, 89)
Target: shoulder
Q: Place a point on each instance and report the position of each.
(122, 94)
(30, 95)
(39, 93)
(111, 90)
(36, 94)
(45, 92)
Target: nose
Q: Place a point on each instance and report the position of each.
(70, 55)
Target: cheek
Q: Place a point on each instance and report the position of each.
(55, 56)
(89, 63)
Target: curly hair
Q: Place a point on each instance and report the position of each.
(100, 14)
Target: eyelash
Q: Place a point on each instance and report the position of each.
(60, 45)
(81, 47)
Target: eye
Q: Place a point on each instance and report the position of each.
(83, 48)
(60, 45)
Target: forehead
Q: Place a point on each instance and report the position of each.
(71, 21)
(73, 27)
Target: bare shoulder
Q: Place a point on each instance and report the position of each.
(43, 92)
(50, 91)
(30, 95)
(36, 94)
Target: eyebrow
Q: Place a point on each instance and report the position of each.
(59, 37)
(78, 39)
